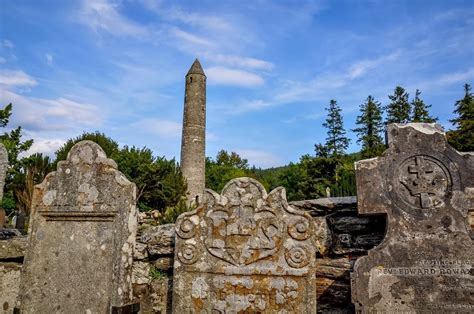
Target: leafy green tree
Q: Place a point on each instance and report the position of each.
(15, 145)
(398, 111)
(294, 179)
(420, 110)
(370, 128)
(233, 159)
(110, 147)
(336, 140)
(462, 138)
(226, 167)
(160, 183)
(34, 169)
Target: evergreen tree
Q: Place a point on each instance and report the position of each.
(370, 128)
(462, 138)
(420, 110)
(398, 111)
(336, 140)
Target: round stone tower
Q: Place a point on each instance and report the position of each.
(193, 145)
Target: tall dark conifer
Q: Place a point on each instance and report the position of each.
(370, 128)
(420, 110)
(398, 110)
(462, 138)
(336, 140)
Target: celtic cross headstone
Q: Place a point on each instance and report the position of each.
(426, 189)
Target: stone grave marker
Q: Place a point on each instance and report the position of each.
(3, 174)
(81, 238)
(244, 252)
(426, 188)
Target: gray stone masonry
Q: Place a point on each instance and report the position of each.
(426, 189)
(193, 145)
(3, 174)
(155, 246)
(245, 251)
(81, 237)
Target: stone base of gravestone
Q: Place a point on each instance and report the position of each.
(426, 261)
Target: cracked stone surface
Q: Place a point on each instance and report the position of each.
(245, 251)
(425, 263)
(81, 237)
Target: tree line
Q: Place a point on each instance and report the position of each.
(161, 185)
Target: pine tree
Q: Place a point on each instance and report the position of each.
(370, 128)
(336, 140)
(398, 111)
(463, 137)
(420, 110)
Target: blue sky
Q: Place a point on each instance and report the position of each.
(272, 68)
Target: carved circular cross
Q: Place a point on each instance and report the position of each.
(420, 185)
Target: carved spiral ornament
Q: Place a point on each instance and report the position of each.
(186, 229)
(297, 257)
(188, 253)
(299, 229)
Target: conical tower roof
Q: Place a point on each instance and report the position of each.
(196, 68)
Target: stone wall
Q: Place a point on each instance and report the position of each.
(12, 250)
(344, 237)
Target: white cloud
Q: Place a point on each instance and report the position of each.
(7, 44)
(104, 15)
(50, 114)
(12, 78)
(241, 62)
(161, 127)
(45, 146)
(326, 83)
(3, 60)
(456, 77)
(189, 38)
(259, 158)
(194, 19)
(360, 68)
(224, 76)
(246, 106)
(210, 137)
(49, 58)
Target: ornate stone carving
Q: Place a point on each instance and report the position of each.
(245, 250)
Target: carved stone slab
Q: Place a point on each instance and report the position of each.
(426, 188)
(245, 252)
(81, 237)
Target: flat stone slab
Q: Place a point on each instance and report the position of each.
(13, 247)
(245, 251)
(426, 188)
(81, 237)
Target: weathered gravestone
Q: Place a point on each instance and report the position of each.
(81, 237)
(3, 174)
(426, 188)
(244, 252)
